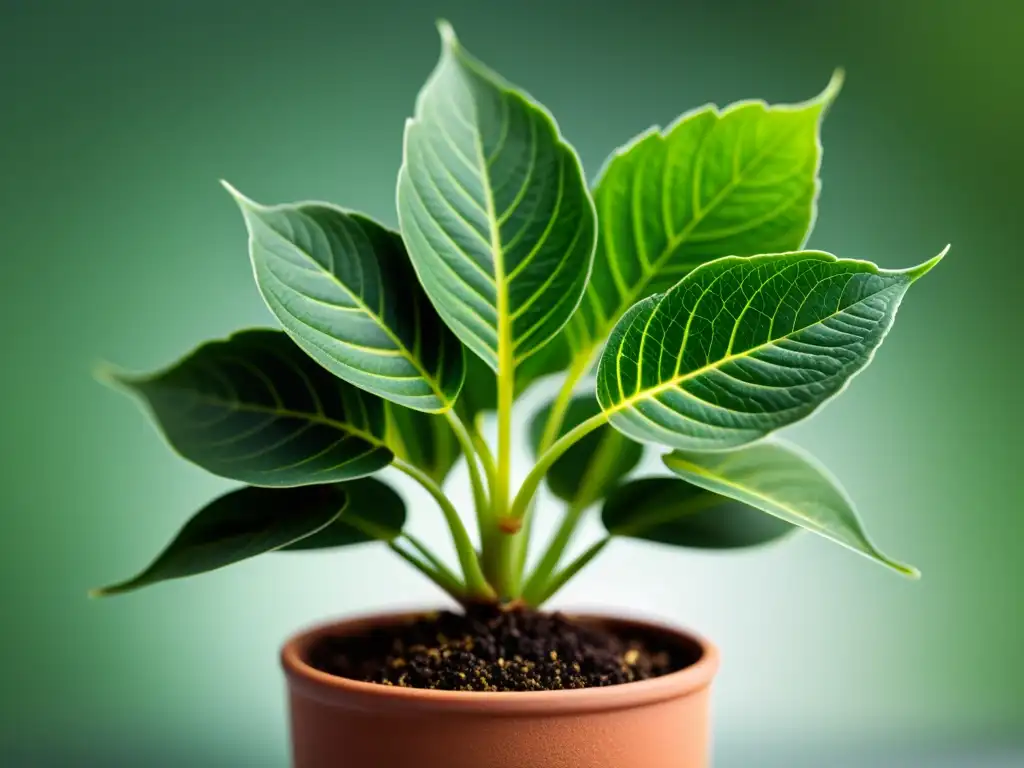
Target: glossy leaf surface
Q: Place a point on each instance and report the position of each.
(744, 346)
(255, 408)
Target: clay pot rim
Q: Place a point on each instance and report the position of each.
(341, 691)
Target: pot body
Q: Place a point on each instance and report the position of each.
(340, 723)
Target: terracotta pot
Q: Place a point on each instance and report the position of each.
(341, 723)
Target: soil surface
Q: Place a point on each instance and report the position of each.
(497, 650)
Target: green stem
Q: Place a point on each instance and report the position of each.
(451, 586)
(500, 551)
(433, 559)
(589, 491)
(564, 575)
(484, 452)
(475, 479)
(534, 590)
(556, 417)
(552, 428)
(475, 581)
(549, 457)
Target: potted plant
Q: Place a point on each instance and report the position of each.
(675, 301)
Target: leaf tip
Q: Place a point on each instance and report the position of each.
(112, 376)
(916, 273)
(447, 33)
(243, 202)
(835, 85)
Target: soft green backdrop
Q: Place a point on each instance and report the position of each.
(116, 242)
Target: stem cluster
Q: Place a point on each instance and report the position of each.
(494, 572)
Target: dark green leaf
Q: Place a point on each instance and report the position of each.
(494, 209)
(375, 512)
(743, 346)
(670, 511)
(344, 290)
(592, 466)
(239, 525)
(256, 408)
(783, 481)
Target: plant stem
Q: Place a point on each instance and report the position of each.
(500, 552)
(587, 493)
(451, 586)
(549, 457)
(552, 556)
(433, 559)
(475, 479)
(475, 581)
(556, 417)
(484, 452)
(564, 575)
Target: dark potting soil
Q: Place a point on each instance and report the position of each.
(497, 650)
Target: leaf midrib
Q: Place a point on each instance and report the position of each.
(675, 381)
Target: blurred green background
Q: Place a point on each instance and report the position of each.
(116, 242)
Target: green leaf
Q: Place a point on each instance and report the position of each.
(783, 481)
(375, 512)
(669, 511)
(256, 408)
(743, 346)
(494, 210)
(425, 440)
(239, 525)
(736, 182)
(594, 465)
(344, 290)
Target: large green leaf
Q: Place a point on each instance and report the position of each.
(425, 440)
(669, 511)
(494, 210)
(256, 408)
(375, 512)
(783, 481)
(743, 346)
(344, 290)
(594, 465)
(239, 525)
(736, 182)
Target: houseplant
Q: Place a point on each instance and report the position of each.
(675, 301)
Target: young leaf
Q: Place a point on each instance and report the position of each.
(256, 408)
(783, 481)
(593, 466)
(669, 511)
(743, 346)
(375, 512)
(344, 290)
(425, 440)
(239, 525)
(735, 182)
(494, 209)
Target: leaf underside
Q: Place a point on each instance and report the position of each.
(743, 346)
(669, 511)
(783, 481)
(257, 409)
